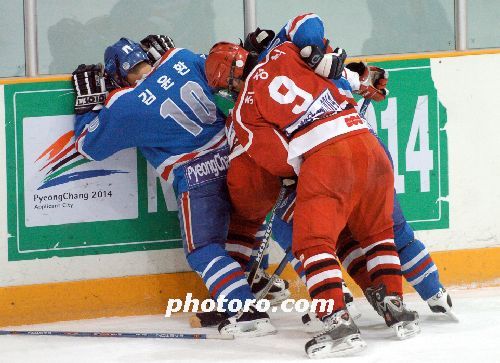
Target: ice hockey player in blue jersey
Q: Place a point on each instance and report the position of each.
(307, 32)
(164, 107)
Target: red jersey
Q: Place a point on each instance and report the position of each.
(286, 110)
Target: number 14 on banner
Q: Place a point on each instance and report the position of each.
(417, 153)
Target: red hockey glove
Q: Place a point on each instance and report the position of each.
(373, 80)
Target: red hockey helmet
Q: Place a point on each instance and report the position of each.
(225, 62)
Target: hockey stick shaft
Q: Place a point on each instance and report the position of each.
(364, 107)
(276, 274)
(117, 334)
(265, 241)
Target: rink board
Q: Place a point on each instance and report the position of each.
(145, 295)
(48, 273)
(59, 204)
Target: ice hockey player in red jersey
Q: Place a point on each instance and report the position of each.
(291, 121)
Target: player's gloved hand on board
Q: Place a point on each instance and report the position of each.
(258, 40)
(156, 46)
(329, 65)
(91, 87)
(373, 80)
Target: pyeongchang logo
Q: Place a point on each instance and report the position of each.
(59, 161)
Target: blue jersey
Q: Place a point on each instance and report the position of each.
(170, 116)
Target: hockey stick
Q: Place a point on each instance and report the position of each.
(277, 272)
(364, 107)
(265, 241)
(117, 334)
(212, 318)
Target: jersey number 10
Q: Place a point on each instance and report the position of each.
(202, 107)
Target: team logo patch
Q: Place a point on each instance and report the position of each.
(94, 124)
(323, 106)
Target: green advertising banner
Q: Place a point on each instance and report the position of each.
(60, 204)
(411, 122)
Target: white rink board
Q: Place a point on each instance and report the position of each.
(469, 91)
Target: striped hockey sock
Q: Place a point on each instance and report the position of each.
(419, 269)
(282, 234)
(382, 262)
(353, 260)
(240, 248)
(221, 274)
(323, 276)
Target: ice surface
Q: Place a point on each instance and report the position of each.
(475, 339)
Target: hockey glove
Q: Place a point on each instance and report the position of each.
(373, 81)
(90, 87)
(258, 40)
(329, 65)
(156, 46)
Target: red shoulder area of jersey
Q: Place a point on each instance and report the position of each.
(166, 56)
(285, 91)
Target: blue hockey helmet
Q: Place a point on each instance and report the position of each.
(121, 57)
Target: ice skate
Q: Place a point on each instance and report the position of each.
(278, 292)
(340, 337)
(312, 324)
(349, 302)
(441, 303)
(251, 323)
(404, 322)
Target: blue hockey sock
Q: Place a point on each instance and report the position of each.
(259, 238)
(282, 234)
(419, 269)
(221, 274)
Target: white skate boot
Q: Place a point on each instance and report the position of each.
(251, 323)
(441, 303)
(340, 337)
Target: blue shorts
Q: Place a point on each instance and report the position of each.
(203, 200)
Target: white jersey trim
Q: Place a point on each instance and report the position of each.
(116, 96)
(200, 151)
(319, 134)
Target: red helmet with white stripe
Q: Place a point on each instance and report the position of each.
(225, 63)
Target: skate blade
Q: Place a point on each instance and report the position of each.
(353, 310)
(349, 345)
(406, 329)
(452, 316)
(256, 328)
(276, 298)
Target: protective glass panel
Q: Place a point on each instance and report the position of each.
(483, 26)
(12, 38)
(71, 32)
(366, 27)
